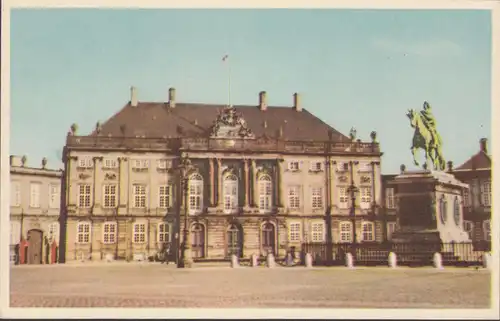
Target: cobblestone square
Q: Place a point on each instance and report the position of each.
(156, 285)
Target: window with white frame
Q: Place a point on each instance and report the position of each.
(343, 197)
(140, 200)
(54, 195)
(365, 167)
(469, 228)
(366, 197)
(15, 193)
(317, 197)
(265, 193)
(164, 196)
(342, 166)
(85, 162)
(294, 197)
(54, 232)
(487, 230)
(140, 164)
(83, 232)
(109, 191)
(139, 233)
(293, 165)
(162, 164)
(368, 231)
(466, 197)
(486, 193)
(35, 194)
(294, 232)
(316, 166)
(109, 233)
(110, 163)
(15, 232)
(195, 193)
(345, 232)
(391, 227)
(389, 198)
(84, 193)
(230, 193)
(317, 231)
(164, 233)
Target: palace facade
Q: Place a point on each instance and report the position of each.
(263, 179)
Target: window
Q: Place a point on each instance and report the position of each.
(317, 231)
(54, 232)
(85, 162)
(139, 196)
(317, 197)
(368, 231)
(487, 230)
(342, 166)
(15, 193)
(343, 197)
(164, 233)
(84, 195)
(162, 164)
(139, 233)
(35, 195)
(54, 195)
(391, 227)
(469, 228)
(316, 166)
(164, 195)
(109, 233)
(294, 197)
(486, 193)
(345, 232)
(83, 233)
(365, 167)
(109, 191)
(110, 163)
(466, 197)
(294, 230)
(293, 166)
(366, 197)
(389, 198)
(230, 193)
(15, 232)
(265, 193)
(140, 164)
(195, 193)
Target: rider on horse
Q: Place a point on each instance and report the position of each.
(430, 123)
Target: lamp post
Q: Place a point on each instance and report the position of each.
(185, 168)
(353, 190)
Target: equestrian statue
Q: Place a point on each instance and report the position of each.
(426, 137)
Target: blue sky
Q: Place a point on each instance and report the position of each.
(361, 68)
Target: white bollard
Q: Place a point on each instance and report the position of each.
(254, 260)
(349, 262)
(393, 261)
(438, 260)
(110, 257)
(487, 260)
(270, 261)
(234, 261)
(309, 260)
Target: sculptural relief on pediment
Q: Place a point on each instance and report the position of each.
(230, 124)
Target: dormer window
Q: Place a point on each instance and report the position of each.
(316, 166)
(293, 166)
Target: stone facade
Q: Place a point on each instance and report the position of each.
(34, 212)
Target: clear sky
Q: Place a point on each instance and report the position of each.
(361, 68)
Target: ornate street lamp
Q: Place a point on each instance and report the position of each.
(353, 190)
(185, 168)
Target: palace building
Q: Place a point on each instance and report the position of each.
(262, 179)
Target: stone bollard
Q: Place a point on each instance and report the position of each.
(486, 260)
(234, 261)
(349, 262)
(270, 261)
(393, 261)
(438, 260)
(309, 260)
(110, 257)
(254, 260)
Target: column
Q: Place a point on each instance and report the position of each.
(376, 184)
(122, 186)
(255, 196)
(333, 184)
(219, 182)
(212, 181)
(247, 185)
(281, 187)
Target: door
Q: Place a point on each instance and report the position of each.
(234, 241)
(268, 238)
(35, 243)
(198, 241)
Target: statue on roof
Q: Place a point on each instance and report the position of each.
(426, 137)
(229, 123)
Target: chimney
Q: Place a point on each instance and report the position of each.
(262, 100)
(483, 145)
(15, 161)
(296, 102)
(133, 96)
(171, 97)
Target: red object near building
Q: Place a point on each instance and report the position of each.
(23, 246)
(53, 253)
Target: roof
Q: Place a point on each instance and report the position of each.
(157, 119)
(481, 160)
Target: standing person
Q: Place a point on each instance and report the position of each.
(167, 254)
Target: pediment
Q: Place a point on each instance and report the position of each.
(230, 124)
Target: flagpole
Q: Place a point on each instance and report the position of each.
(225, 59)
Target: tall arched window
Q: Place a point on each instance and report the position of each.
(195, 194)
(265, 193)
(230, 193)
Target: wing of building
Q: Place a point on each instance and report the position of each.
(259, 179)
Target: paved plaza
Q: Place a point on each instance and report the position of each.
(156, 285)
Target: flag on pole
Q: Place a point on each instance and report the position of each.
(225, 57)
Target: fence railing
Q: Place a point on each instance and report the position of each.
(410, 254)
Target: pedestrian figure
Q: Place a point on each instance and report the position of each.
(167, 254)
